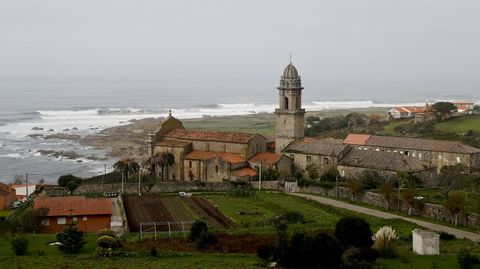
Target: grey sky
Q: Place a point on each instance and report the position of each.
(367, 43)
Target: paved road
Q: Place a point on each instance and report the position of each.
(380, 214)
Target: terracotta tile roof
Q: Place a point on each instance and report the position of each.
(356, 139)
(382, 160)
(173, 143)
(265, 157)
(420, 144)
(410, 109)
(244, 172)
(233, 137)
(75, 205)
(324, 147)
(206, 155)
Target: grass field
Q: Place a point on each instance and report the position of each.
(171, 261)
(252, 213)
(5, 213)
(459, 124)
(389, 129)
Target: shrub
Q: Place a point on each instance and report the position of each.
(106, 232)
(265, 252)
(353, 258)
(330, 175)
(446, 236)
(320, 251)
(106, 241)
(103, 252)
(206, 238)
(19, 246)
(384, 240)
(198, 227)
(71, 239)
(466, 260)
(292, 217)
(153, 252)
(354, 232)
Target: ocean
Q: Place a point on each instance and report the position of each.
(30, 108)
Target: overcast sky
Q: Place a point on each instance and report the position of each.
(404, 43)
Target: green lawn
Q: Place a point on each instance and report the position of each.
(253, 212)
(420, 262)
(459, 124)
(389, 129)
(177, 261)
(5, 213)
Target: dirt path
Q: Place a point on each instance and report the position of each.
(380, 214)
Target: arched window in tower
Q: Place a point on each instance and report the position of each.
(286, 102)
(216, 168)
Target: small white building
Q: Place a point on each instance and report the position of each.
(425, 242)
(23, 190)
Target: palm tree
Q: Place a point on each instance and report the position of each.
(126, 167)
(152, 163)
(168, 160)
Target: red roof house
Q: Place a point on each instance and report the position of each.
(7, 196)
(90, 214)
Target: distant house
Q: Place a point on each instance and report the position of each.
(269, 160)
(90, 214)
(386, 163)
(7, 196)
(463, 106)
(438, 153)
(24, 190)
(403, 112)
(322, 153)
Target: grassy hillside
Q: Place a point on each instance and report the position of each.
(459, 124)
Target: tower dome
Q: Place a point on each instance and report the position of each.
(290, 71)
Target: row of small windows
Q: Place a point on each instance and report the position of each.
(62, 220)
(420, 155)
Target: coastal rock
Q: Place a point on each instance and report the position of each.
(37, 129)
(63, 136)
(71, 155)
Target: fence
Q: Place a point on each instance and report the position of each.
(168, 227)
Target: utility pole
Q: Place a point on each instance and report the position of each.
(139, 182)
(26, 184)
(122, 183)
(336, 186)
(104, 173)
(260, 178)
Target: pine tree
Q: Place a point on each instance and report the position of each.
(71, 239)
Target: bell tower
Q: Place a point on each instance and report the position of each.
(290, 114)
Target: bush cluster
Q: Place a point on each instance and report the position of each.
(200, 234)
(19, 246)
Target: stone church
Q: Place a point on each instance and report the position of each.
(214, 156)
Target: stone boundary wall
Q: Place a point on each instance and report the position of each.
(431, 211)
(176, 186)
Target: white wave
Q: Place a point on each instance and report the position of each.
(94, 120)
(12, 155)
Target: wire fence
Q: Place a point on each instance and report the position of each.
(165, 228)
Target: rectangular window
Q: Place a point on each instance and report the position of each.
(85, 218)
(61, 220)
(342, 173)
(46, 222)
(75, 219)
(189, 164)
(420, 155)
(309, 159)
(414, 154)
(459, 160)
(325, 161)
(439, 157)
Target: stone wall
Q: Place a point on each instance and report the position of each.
(431, 211)
(268, 185)
(176, 186)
